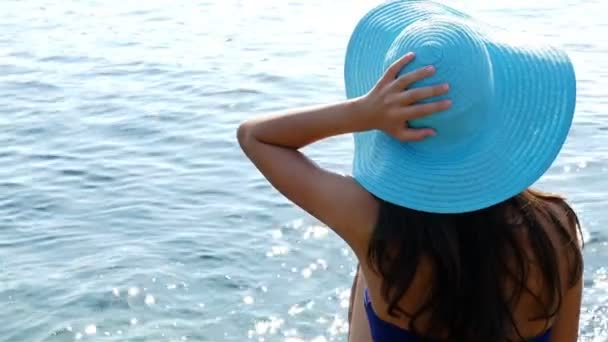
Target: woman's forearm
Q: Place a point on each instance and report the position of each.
(300, 127)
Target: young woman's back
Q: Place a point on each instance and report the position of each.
(511, 271)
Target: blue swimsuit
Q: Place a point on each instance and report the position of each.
(383, 331)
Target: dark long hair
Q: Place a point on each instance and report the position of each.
(480, 266)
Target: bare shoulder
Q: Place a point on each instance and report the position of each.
(566, 325)
(359, 214)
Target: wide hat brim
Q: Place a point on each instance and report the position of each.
(515, 98)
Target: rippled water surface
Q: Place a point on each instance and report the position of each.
(127, 212)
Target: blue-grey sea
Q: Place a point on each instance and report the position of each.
(127, 210)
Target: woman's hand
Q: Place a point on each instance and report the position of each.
(390, 105)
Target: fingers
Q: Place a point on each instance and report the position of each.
(415, 112)
(406, 80)
(392, 72)
(426, 109)
(394, 90)
(411, 134)
(419, 94)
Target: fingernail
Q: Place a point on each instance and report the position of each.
(445, 86)
(448, 103)
(430, 68)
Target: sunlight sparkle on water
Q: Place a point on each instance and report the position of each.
(316, 232)
(133, 291)
(150, 300)
(248, 300)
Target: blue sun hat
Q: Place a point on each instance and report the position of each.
(512, 107)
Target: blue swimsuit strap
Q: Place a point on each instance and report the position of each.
(386, 332)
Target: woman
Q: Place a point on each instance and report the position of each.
(452, 242)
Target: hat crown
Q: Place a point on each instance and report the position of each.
(517, 99)
(460, 58)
